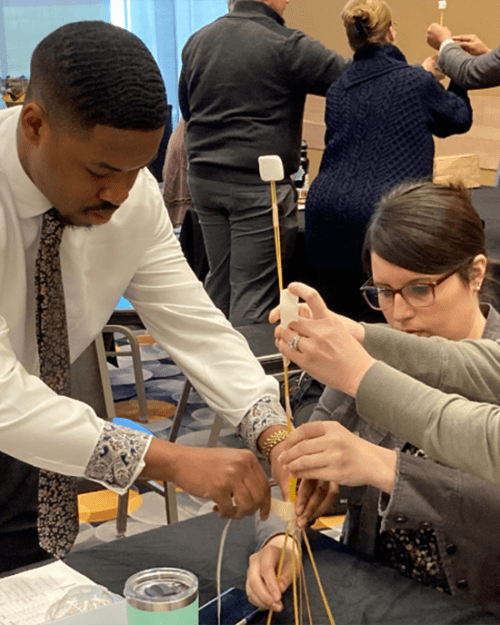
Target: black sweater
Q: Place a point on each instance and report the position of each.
(242, 91)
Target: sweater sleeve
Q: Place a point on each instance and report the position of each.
(449, 110)
(453, 430)
(467, 367)
(470, 72)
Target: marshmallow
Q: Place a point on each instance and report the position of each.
(271, 168)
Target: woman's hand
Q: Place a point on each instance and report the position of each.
(307, 293)
(262, 587)
(328, 347)
(314, 498)
(326, 450)
(429, 65)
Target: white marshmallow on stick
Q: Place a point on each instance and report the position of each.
(271, 169)
(441, 7)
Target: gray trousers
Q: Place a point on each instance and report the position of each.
(236, 221)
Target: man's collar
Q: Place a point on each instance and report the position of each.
(256, 7)
(29, 200)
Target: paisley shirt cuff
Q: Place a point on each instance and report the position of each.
(266, 412)
(118, 457)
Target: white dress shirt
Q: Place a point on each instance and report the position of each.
(137, 255)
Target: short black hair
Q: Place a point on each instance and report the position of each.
(91, 72)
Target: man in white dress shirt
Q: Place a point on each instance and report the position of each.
(92, 120)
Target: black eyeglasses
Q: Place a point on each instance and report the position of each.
(419, 295)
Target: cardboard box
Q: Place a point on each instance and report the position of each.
(462, 168)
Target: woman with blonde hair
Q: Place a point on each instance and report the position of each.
(381, 115)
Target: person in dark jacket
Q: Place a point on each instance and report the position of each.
(380, 117)
(242, 91)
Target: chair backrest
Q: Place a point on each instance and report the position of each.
(87, 383)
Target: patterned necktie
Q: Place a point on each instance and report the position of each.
(57, 498)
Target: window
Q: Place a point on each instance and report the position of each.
(163, 25)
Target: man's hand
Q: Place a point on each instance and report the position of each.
(471, 44)
(326, 450)
(232, 478)
(262, 586)
(436, 34)
(326, 349)
(280, 475)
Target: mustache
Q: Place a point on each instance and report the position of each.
(100, 207)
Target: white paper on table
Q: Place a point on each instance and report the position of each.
(25, 597)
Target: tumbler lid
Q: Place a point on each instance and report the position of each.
(161, 589)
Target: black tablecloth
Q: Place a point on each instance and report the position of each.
(358, 590)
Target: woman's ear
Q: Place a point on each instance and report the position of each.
(478, 271)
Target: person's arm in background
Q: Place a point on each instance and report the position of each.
(449, 110)
(465, 59)
(449, 428)
(310, 65)
(430, 65)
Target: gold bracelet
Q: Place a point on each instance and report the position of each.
(272, 441)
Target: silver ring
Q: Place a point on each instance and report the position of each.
(294, 342)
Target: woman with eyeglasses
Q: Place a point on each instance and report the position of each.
(380, 117)
(425, 253)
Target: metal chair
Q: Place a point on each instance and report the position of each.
(167, 490)
(260, 338)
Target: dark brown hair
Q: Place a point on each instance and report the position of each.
(426, 228)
